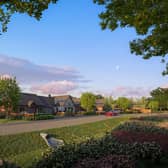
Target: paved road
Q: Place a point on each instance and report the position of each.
(15, 128)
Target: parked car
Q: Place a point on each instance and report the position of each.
(111, 113)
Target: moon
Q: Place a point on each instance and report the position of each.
(117, 67)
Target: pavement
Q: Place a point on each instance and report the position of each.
(16, 128)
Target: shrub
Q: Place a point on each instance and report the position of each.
(5, 164)
(40, 117)
(2, 115)
(141, 126)
(141, 137)
(44, 117)
(110, 161)
(90, 113)
(154, 118)
(67, 156)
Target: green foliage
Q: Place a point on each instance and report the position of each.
(161, 96)
(68, 155)
(6, 164)
(9, 94)
(153, 118)
(99, 96)
(153, 105)
(33, 8)
(143, 126)
(148, 17)
(108, 103)
(40, 117)
(90, 113)
(123, 103)
(24, 149)
(88, 101)
(44, 117)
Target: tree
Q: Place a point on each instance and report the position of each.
(9, 94)
(148, 17)
(33, 8)
(99, 96)
(88, 101)
(107, 104)
(160, 95)
(153, 105)
(123, 103)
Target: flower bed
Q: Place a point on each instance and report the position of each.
(153, 118)
(141, 126)
(110, 161)
(141, 137)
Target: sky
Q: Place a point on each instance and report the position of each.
(66, 52)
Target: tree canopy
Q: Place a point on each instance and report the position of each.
(153, 105)
(9, 94)
(33, 8)
(123, 103)
(161, 96)
(88, 101)
(148, 17)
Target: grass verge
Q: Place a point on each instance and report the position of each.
(26, 148)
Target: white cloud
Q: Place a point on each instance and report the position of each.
(55, 87)
(28, 73)
(127, 91)
(43, 79)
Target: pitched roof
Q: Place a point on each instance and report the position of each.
(27, 97)
(47, 101)
(38, 100)
(62, 98)
(76, 100)
(99, 102)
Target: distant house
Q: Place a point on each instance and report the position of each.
(141, 109)
(64, 104)
(77, 104)
(99, 105)
(31, 103)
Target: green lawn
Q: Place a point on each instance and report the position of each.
(26, 148)
(5, 121)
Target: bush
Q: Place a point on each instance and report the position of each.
(117, 161)
(5, 164)
(141, 137)
(68, 156)
(44, 117)
(141, 126)
(40, 117)
(2, 115)
(90, 113)
(154, 118)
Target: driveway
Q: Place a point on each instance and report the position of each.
(15, 128)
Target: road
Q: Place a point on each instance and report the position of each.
(15, 128)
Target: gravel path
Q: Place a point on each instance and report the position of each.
(15, 128)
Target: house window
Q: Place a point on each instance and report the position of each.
(22, 109)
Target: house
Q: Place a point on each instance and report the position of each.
(64, 104)
(31, 103)
(141, 109)
(77, 104)
(99, 105)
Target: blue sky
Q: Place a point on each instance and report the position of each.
(69, 39)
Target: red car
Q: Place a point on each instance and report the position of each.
(111, 113)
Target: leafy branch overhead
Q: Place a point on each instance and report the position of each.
(148, 17)
(33, 8)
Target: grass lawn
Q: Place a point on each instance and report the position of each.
(5, 121)
(26, 148)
